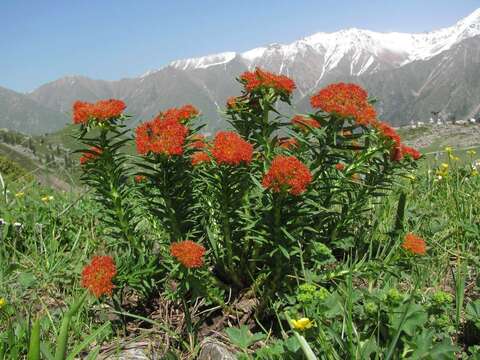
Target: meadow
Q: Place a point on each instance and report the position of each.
(336, 242)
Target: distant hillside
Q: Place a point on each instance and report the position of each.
(434, 138)
(20, 113)
(48, 158)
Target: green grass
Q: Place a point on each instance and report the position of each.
(40, 264)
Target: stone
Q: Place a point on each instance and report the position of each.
(214, 350)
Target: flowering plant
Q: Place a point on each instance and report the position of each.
(248, 208)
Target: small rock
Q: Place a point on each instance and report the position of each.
(132, 353)
(214, 350)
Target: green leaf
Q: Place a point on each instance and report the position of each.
(34, 348)
(88, 340)
(46, 351)
(473, 311)
(426, 348)
(408, 317)
(292, 344)
(242, 337)
(26, 279)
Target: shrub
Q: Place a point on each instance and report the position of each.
(262, 211)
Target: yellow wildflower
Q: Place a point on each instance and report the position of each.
(302, 324)
(471, 152)
(442, 170)
(19, 194)
(3, 302)
(454, 158)
(474, 173)
(47, 198)
(448, 149)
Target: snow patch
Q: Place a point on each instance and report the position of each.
(204, 62)
(364, 49)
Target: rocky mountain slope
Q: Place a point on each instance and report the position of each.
(412, 75)
(20, 112)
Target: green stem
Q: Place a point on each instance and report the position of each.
(115, 197)
(266, 132)
(400, 212)
(277, 266)
(34, 348)
(177, 234)
(227, 230)
(277, 223)
(62, 338)
(189, 323)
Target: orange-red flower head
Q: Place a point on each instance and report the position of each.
(254, 80)
(340, 166)
(232, 102)
(409, 151)
(188, 253)
(103, 110)
(347, 100)
(139, 178)
(97, 276)
(399, 150)
(93, 153)
(287, 173)
(200, 157)
(288, 143)
(414, 244)
(229, 148)
(181, 114)
(388, 133)
(161, 136)
(304, 122)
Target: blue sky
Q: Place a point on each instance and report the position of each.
(110, 39)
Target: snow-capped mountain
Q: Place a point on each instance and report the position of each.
(412, 74)
(365, 51)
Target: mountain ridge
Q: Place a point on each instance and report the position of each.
(410, 73)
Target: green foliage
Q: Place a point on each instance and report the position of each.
(10, 169)
(242, 337)
(330, 255)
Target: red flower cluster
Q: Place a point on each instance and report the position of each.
(340, 166)
(199, 157)
(161, 136)
(229, 148)
(304, 122)
(409, 151)
(198, 142)
(188, 253)
(89, 155)
(288, 143)
(97, 276)
(348, 100)
(231, 102)
(399, 150)
(179, 114)
(102, 110)
(254, 80)
(287, 173)
(415, 244)
(139, 179)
